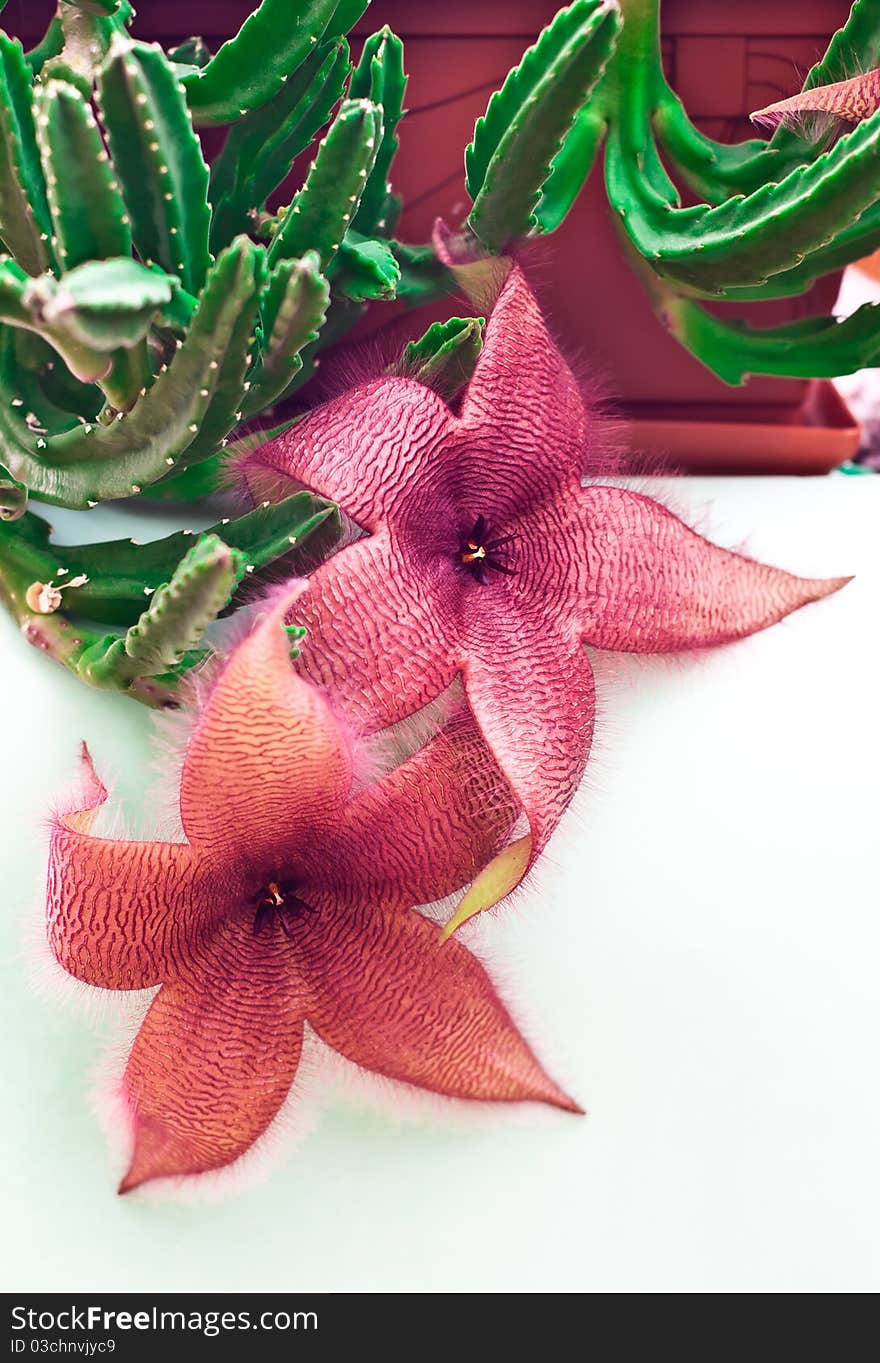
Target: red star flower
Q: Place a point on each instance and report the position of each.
(289, 902)
(487, 557)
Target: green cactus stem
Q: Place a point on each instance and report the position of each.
(260, 149)
(119, 574)
(21, 305)
(444, 358)
(325, 207)
(49, 46)
(47, 385)
(199, 385)
(148, 307)
(251, 67)
(852, 244)
(174, 622)
(87, 29)
(104, 304)
(119, 578)
(293, 309)
(89, 218)
(227, 375)
(13, 497)
(345, 16)
(422, 276)
(68, 643)
(160, 164)
(776, 215)
(25, 224)
(379, 77)
(365, 268)
(192, 53)
(528, 121)
(203, 479)
(110, 582)
(813, 347)
(745, 240)
(96, 317)
(576, 155)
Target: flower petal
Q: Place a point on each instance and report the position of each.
(374, 634)
(852, 100)
(215, 1056)
(390, 997)
(535, 707)
(653, 585)
(523, 406)
(116, 908)
(364, 450)
(498, 878)
(267, 762)
(429, 826)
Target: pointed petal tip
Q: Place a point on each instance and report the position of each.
(88, 793)
(134, 1178)
(498, 879)
(541, 1088)
(816, 589)
(143, 1166)
(87, 766)
(766, 118)
(150, 1162)
(790, 113)
(152, 1157)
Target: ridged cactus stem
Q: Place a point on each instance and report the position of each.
(84, 39)
(128, 377)
(147, 661)
(174, 622)
(183, 583)
(68, 643)
(13, 497)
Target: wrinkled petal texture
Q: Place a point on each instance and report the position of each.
(367, 450)
(268, 762)
(215, 1056)
(388, 996)
(526, 420)
(851, 100)
(426, 828)
(118, 912)
(656, 586)
(374, 635)
(536, 714)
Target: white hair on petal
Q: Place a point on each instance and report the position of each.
(293, 1123)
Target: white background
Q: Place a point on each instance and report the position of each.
(698, 962)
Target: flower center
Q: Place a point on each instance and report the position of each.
(480, 553)
(278, 902)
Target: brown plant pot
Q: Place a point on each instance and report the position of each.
(747, 438)
(723, 59)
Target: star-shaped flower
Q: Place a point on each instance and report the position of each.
(487, 557)
(289, 902)
(850, 100)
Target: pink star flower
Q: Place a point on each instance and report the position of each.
(487, 557)
(289, 902)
